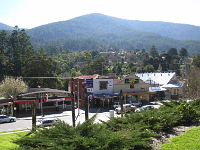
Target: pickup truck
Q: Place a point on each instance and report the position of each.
(126, 108)
(116, 104)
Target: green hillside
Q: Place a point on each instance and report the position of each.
(96, 31)
(5, 27)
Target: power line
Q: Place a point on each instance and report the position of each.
(46, 77)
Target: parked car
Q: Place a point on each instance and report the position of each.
(116, 104)
(135, 103)
(126, 108)
(4, 118)
(146, 107)
(45, 122)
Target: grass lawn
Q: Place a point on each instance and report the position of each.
(190, 140)
(7, 140)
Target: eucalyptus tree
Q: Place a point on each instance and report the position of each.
(196, 61)
(183, 52)
(3, 47)
(173, 51)
(153, 52)
(97, 66)
(43, 70)
(19, 50)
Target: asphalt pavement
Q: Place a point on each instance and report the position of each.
(25, 122)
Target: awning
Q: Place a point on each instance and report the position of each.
(49, 100)
(45, 91)
(139, 93)
(106, 95)
(156, 89)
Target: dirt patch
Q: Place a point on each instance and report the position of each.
(176, 131)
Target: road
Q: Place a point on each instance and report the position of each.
(26, 122)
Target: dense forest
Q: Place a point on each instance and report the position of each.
(91, 44)
(97, 31)
(50, 64)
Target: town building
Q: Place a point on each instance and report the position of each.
(166, 84)
(47, 100)
(133, 88)
(76, 86)
(102, 92)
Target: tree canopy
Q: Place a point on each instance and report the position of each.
(12, 86)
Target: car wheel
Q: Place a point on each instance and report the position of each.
(11, 120)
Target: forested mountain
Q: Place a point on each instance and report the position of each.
(5, 27)
(96, 31)
(97, 24)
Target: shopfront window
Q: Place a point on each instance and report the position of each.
(103, 85)
(26, 106)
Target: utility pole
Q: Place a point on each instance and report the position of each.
(41, 104)
(121, 102)
(78, 88)
(86, 103)
(73, 110)
(34, 116)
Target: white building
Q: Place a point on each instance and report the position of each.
(166, 84)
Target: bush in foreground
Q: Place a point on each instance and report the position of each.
(134, 131)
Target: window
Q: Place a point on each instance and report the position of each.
(174, 91)
(131, 86)
(103, 85)
(177, 91)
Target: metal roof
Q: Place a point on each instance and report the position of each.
(158, 78)
(174, 84)
(43, 90)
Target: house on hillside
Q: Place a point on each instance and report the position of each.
(166, 85)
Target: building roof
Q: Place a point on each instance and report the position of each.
(174, 84)
(42, 90)
(156, 78)
(94, 76)
(115, 81)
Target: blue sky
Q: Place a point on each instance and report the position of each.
(33, 13)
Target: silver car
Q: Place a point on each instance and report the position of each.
(4, 118)
(45, 122)
(126, 107)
